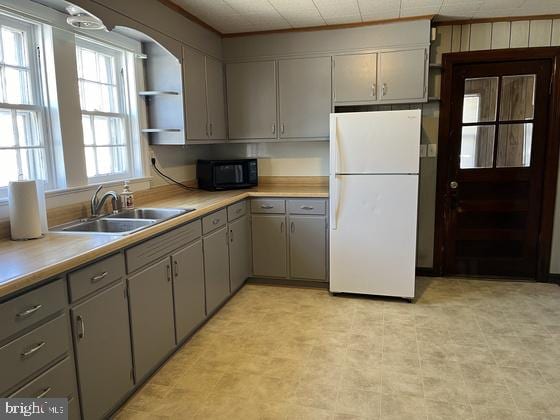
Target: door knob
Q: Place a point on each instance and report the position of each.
(453, 185)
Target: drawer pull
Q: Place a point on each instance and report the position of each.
(32, 350)
(28, 312)
(43, 393)
(215, 221)
(99, 277)
(238, 211)
(266, 206)
(307, 207)
(82, 327)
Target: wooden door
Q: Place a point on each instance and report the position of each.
(215, 88)
(195, 95)
(239, 252)
(402, 75)
(216, 269)
(308, 247)
(355, 78)
(251, 100)
(492, 193)
(269, 245)
(304, 97)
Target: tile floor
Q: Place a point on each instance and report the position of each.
(468, 349)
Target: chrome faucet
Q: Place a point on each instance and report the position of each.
(97, 204)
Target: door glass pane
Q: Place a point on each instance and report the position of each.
(477, 147)
(517, 101)
(514, 145)
(481, 97)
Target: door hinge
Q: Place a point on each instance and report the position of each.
(38, 51)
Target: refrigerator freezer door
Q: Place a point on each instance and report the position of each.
(373, 244)
(385, 142)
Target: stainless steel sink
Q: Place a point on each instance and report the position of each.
(122, 223)
(106, 225)
(154, 214)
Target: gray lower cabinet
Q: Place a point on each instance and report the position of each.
(188, 289)
(151, 316)
(308, 253)
(216, 268)
(239, 252)
(269, 245)
(103, 356)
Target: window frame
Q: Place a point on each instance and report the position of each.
(33, 42)
(123, 103)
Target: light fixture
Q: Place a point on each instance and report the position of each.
(79, 18)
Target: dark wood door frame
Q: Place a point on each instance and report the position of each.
(450, 60)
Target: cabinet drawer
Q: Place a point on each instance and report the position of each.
(214, 221)
(57, 382)
(235, 211)
(25, 310)
(264, 205)
(160, 246)
(93, 277)
(307, 206)
(22, 357)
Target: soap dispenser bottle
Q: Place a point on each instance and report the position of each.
(127, 197)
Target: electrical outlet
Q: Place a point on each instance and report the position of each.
(432, 150)
(423, 150)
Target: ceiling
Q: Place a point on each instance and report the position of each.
(234, 16)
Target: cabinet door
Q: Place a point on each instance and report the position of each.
(251, 93)
(216, 99)
(305, 97)
(355, 78)
(188, 289)
(308, 247)
(151, 316)
(269, 245)
(216, 269)
(239, 252)
(103, 356)
(402, 75)
(195, 95)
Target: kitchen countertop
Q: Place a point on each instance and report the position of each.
(26, 263)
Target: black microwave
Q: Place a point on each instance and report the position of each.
(215, 175)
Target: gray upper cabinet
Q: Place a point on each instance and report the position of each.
(204, 96)
(195, 95)
(355, 78)
(402, 75)
(308, 253)
(215, 89)
(239, 251)
(269, 245)
(103, 356)
(304, 97)
(216, 269)
(151, 316)
(251, 97)
(188, 288)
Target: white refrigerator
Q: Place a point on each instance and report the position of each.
(374, 163)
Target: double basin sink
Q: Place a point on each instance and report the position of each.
(121, 223)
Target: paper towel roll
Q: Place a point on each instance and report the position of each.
(42, 206)
(25, 219)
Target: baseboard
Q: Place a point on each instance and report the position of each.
(287, 282)
(554, 278)
(425, 272)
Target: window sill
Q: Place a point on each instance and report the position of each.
(92, 187)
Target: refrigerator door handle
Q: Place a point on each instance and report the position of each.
(334, 210)
(335, 147)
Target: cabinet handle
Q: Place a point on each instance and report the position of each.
(384, 89)
(28, 312)
(292, 227)
(238, 211)
(99, 277)
(231, 235)
(168, 272)
(307, 207)
(43, 393)
(32, 350)
(176, 268)
(373, 89)
(282, 128)
(273, 128)
(266, 206)
(215, 221)
(82, 329)
(281, 226)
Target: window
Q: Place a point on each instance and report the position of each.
(104, 111)
(23, 152)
